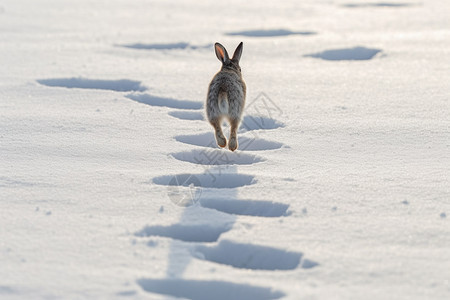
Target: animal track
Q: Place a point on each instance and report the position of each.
(126, 293)
(5, 290)
(187, 233)
(170, 46)
(122, 85)
(245, 143)
(356, 53)
(186, 189)
(249, 122)
(166, 102)
(217, 157)
(6, 182)
(206, 180)
(259, 122)
(247, 207)
(270, 32)
(249, 256)
(207, 290)
(187, 115)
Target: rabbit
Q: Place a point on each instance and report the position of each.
(226, 96)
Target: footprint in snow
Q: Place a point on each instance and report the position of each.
(187, 233)
(356, 53)
(187, 115)
(377, 4)
(253, 208)
(245, 143)
(207, 290)
(121, 85)
(254, 257)
(168, 46)
(206, 180)
(216, 157)
(249, 122)
(165, 102)
(253, 122)
(269, 33)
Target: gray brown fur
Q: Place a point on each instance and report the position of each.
(226, 96)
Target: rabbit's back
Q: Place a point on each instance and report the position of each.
(230, 84)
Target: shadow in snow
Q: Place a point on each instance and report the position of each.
(270, 32)
(356, 53)
(121, 85)
(207, 290)
(165, 102)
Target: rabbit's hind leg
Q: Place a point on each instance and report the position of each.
(220, 138)
(233, 142)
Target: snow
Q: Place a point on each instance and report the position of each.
(111, 185)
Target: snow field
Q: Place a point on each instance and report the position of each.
(111, 185)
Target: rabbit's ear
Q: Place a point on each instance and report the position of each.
(238, 52)
(221, 52)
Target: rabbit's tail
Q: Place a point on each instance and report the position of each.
(223, 102)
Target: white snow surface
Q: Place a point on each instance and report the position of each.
(339, 190)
